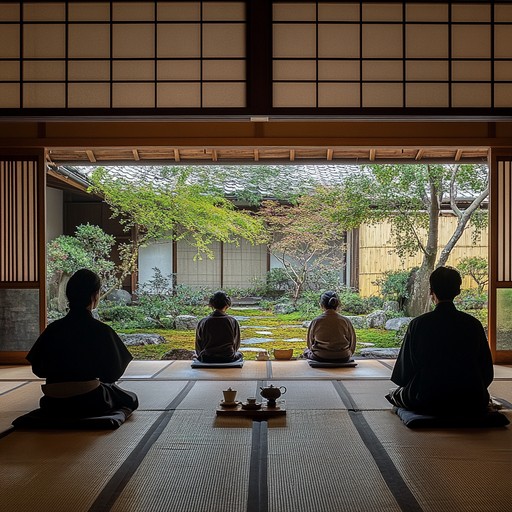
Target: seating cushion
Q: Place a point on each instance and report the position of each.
(232, 364)
(324, 364)
(38, 419)
(415, 420)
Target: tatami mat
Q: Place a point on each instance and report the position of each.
(502, 389)
(369, 394)
(456, 470)
(6, 386)
(300, 369)
(181, 370)
(320, 464)
(503, 371)
(154, 395)
(17, 372)
(144, 369)
(63, 471)
(309, 395)
(192, 467)
(208, 395)
(21, 399)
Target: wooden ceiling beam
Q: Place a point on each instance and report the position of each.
(90, 156)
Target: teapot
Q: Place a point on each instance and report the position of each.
(272, 393)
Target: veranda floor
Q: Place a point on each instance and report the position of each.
(340, 448)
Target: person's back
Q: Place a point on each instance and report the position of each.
(80, 357)
(218, 335)
(445, 364)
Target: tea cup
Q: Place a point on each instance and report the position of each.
(229, 395)
(251, 400)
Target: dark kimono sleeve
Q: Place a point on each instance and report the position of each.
(405, 366)
(485, 357)
(114, 356)
(236, 340)
(199, 333)
(36, 355)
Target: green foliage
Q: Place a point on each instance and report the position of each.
(161, 302)
(393, 286)
(471, 300)
(277, 282)
(352, 302)
(305, 236)
(477, 268)
(174, 204)
(123, 317)
(90, 248)
(308, 304)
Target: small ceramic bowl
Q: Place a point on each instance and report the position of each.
(284, 353)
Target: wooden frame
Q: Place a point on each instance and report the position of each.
(497, 279)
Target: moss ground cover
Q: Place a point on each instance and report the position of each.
(282, 327)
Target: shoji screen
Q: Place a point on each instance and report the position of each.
(22, 250)
(500, 283)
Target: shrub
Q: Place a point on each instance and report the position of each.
(161, 301)
(308, 304)
(321, 279)
(393, 285)
(277, 283)
(471, 299)
(352, 302)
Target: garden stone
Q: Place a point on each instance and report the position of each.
(306, 324)
(186, 322)
(283, 309)
(380, 353)
(135, 340)
(391, 305)
(394, 324)
(358, 322)
(179, 354)
(377, 319)
(119, 297)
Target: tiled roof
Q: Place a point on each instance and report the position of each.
(235, 179)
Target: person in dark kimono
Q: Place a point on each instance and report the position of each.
(218, 335)
(81, 358)
(444, 366)
(331, 336)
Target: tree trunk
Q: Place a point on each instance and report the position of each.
(419, 297)
(62, 300)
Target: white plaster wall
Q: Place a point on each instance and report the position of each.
(274, 262)
(54, 213)
(159, 255)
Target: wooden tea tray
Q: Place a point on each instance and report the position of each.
(263, 413)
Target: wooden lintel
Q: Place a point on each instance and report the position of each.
(292, 155)
(372, 155)
(214, 155)
(329, 154)
(458, 155)
(65, 179)
(256, 155)
(177, 155)
(419, 154)
(90, 155)
(136, 155)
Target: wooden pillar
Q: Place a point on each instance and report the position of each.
(500, 255)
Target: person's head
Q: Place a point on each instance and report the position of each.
(329, 300)
(220, 300)
(83, 289)
(445, 283)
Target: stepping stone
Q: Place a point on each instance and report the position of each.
(255, 341)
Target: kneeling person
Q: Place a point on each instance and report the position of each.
(444, 366)
(81, 357)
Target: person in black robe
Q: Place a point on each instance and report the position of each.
(444, 366)
(218, 335)
(81, 357)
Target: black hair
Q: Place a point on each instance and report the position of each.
(81, 287)
(219, 300)
(445, 283)
(330, 300)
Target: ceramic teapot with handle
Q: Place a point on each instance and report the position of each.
(272, 393)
